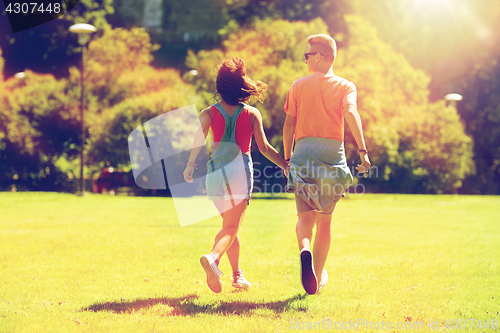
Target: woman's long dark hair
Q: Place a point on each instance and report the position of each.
(234, 86)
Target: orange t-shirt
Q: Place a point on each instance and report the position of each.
(318, 101)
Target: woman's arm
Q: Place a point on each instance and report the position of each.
(199, 140)
(354, 121)
(265, 148)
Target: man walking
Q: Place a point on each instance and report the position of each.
(316, 106)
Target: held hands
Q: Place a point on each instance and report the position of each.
(286, 169)
(365, 163)
(285, 166)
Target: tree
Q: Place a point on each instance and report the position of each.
(91, 12)
(150, 93)
(244, 12)
(39, 118)
(435, 155)
(115, 52)
(397, 118)
(39, 125)
(480, 110)
(456, 43)
(430, 33)
(122, 92)
(1, 67)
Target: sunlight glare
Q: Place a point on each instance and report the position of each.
(433, 5)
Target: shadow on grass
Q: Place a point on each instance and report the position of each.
(188, 305)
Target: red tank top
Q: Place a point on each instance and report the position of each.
(243, 129)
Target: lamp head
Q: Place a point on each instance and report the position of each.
(453, 97)
(84, 31)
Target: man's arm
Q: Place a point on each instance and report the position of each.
(288, 135)
(353, 119)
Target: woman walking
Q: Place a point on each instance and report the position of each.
(229, 178)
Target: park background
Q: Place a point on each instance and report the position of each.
(150, 57)
(101, 263)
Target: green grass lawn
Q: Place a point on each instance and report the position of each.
(123, 264)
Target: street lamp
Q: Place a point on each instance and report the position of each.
(453, 99)
(84, 31)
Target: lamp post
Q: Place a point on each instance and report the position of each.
(453, 99)
(84, 31)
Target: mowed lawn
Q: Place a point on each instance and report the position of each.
(123, 264)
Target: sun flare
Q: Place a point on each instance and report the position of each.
(433, 5)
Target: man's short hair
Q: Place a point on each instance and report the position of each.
(325, 45)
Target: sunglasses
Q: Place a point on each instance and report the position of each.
(306, 55)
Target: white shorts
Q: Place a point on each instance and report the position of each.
(233, 181)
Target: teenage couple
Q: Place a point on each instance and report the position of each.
(316, 166)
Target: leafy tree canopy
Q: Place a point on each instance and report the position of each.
(480, 110)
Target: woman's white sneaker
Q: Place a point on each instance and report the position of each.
(211, 267)
(239, 280)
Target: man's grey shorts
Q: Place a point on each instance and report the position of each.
(319, 174)
(303, 206)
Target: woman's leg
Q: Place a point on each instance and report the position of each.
(231, 221)
(220, 205)
(233, 254)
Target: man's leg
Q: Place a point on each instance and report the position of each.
(304, 229)
(304, 235)
(306, 222)
(322, 241)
